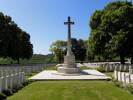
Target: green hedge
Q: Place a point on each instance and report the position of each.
(3, 96)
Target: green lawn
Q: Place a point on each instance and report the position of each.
(51, 68)
(72, 90)
(30, 75)
(109, 74)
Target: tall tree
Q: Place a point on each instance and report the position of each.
(79, 49)
(14, 42)
(58, 48)
(111, 30)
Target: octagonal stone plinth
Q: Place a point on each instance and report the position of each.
(66, 70)
(69, 66)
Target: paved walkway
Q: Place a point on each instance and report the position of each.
(54, 75)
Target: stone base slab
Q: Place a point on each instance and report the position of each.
(53, 75)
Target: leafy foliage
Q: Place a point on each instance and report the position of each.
(101, 69)
(2, 96)
(8, 92)
(130, 88)
(14, 42)
(112, 31)
(59, 47)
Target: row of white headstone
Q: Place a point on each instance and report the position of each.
(125, 77)
(36, 67)
(124, 74)
(33, 68)
(112, 67)
(12, 76)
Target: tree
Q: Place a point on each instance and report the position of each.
(79, 49)
(58, 48)
(111, 30)
(14, 42)
(90, 51)
(25, 46)
(4, 29)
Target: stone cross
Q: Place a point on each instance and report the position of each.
(69, 23)
(69, 66)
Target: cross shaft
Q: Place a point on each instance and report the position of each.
(69, 23)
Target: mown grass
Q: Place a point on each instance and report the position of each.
(109, 74)
(84, 67)
(72, 90)
(51, 68)
(27, 76)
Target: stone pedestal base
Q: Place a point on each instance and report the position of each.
(67, 70)
(69, 66)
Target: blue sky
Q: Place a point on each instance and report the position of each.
(43, 19)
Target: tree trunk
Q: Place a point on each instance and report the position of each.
(18, 61)
(122, 59)
(132, 60)
(11, 62)
(99, 59)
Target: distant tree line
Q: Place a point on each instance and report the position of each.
(59, 48)
(14, 42)
(112, 32)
